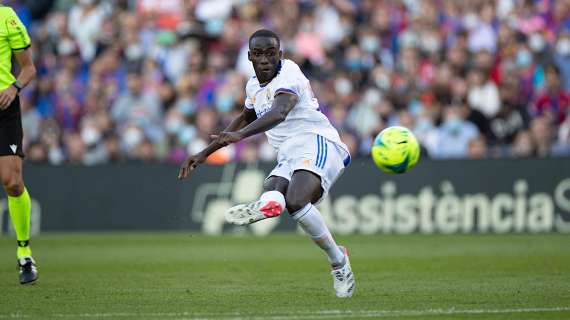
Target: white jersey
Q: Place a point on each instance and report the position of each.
(305, 117)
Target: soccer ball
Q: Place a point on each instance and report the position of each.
(395, 150)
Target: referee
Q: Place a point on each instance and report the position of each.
(15, 41)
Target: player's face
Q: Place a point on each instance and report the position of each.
(264, 54)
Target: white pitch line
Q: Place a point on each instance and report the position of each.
(324, 314)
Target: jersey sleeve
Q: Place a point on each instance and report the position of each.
(248, 102)
(18, 37)
(292, 81)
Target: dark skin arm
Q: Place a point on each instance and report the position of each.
(246, 117)
(27, 73)
(282, 105)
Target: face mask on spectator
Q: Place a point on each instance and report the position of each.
(423, 125)
(563, 47)
(524, 58)
(173, 125)
(134, 52)
(408, 39)
(430, 44)
(536, 42)
(214, 26)
(65, 47)
(186, 134)
(224, 103)
(371, 97)
(415, 107)
(382, 81)
(343, 87)
(132, 137)
(186, 107)
(90, 135)
(453, 124)
(369, 44)
(470, 21)
(86, 3)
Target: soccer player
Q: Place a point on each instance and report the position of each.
(15, 41)
(311, 156)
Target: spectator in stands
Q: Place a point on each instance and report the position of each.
(513, 115)
(85, 21)
(483, 93)
(554, 101)
(562, 57)
(542, 135)
(165, 76)
(523, 146)
(140, 108)
(477, 148)
(453, 137)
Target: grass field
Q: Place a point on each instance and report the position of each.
(182, 276)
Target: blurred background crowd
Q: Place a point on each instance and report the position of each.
(149, 80)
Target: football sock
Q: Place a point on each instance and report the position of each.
(274, 196)
(311, 221)
(20, 208)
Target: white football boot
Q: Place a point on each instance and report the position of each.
(244, 214)
(343, 278)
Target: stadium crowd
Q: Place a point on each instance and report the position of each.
(150, 80)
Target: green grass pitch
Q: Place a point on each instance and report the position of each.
(183, 276)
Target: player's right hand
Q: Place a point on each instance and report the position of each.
(190, 164)
(7, 96)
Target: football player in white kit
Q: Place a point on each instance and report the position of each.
(310, 154)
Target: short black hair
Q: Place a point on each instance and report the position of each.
(264, 33)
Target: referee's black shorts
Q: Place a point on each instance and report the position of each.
(11, 132)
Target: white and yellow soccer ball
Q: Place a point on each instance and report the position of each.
(395, 150)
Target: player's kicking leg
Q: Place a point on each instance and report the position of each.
(19, 206)
(304, 188)
(271, 204)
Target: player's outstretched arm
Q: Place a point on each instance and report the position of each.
(282, 105)
(246, 117)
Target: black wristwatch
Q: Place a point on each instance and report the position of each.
(18, 86)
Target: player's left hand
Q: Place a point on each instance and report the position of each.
(7, 96)
(190, 164)
(227, 137)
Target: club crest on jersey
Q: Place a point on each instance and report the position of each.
(268, 94)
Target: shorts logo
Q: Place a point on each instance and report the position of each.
(14, 148)
(307, 162)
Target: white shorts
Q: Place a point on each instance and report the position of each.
(313, 153)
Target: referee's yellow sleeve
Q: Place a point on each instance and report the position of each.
(18, 37)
